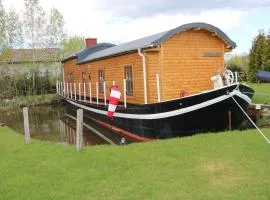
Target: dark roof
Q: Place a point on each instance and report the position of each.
(81, 54)
(152, 41)
(30, 55)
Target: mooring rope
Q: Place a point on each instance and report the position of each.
(257, 93)
(267, 140)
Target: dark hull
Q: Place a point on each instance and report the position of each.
(203, 112)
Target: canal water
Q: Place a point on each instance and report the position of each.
(55, 123)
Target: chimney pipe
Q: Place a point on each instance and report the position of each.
(89, 42)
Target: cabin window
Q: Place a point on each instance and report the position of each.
(129, 80)
(69, 77)
(101, 80)
(83, 77)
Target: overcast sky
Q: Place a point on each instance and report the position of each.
(120, 21)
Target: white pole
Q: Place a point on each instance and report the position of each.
(113, 83)
(90, 92)
(61, 87)
(125, 93)
(64, 88)
(97, 92)
(71, 90)
(75, 95)
(236, 77)
(158, 88)
(80, 92)
(104, 90)
(144, 75)
(67, 91)
(84, 91)
(56, 87)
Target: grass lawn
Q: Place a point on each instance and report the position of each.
(263, 88)
(234, 165)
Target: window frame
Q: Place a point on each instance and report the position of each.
(101, 83)
(129, 91)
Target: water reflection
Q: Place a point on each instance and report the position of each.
(52, 123)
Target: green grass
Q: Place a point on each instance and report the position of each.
(19, 101)
(261, 88)
(233, 165)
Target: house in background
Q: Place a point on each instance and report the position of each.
(20, 60)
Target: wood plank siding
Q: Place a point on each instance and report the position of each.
(186, 61)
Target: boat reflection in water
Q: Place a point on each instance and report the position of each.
(55, 123)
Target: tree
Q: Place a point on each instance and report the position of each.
(72, 44)
(55, 29)
(2, 27)
(34, 23)
(258, 55)
(13, 29)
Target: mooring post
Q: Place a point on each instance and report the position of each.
(230, 120)
(26, 125)
(79, 130)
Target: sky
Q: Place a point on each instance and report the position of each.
(118, 21)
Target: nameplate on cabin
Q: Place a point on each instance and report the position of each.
(212, 54)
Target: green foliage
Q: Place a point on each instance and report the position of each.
(237, 63)
(55, 29)
(14, 29)
(231, 165)
(259, 55)
(73, 44)
(30, 80)
(34, 23)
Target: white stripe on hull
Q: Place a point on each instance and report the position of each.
(169, 113)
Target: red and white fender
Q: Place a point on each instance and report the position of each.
(113, 101)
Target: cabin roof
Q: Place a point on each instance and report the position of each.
(81, 54)
(151, 41)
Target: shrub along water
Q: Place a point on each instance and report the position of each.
(28, 80)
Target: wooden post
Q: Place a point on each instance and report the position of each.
(84, 91)
(97, 92)
(125, 93)
(104, 90)
(158, 88)
(90, 92)
(26, 125)
(79, 130)
(230, 120)
(80, 92)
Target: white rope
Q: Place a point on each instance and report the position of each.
(267, 140)
(257, 93)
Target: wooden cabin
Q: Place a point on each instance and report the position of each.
(156, 68)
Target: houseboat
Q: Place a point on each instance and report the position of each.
(172, 83)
